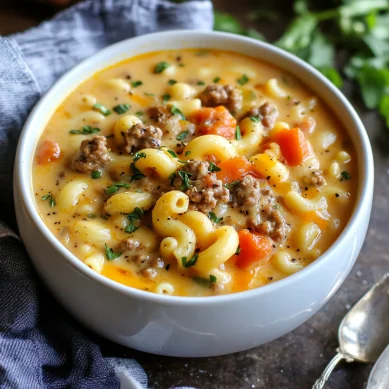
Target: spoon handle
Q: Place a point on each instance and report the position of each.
(320, 382)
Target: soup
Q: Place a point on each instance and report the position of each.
(194, 173)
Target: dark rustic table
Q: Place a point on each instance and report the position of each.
(297, 359)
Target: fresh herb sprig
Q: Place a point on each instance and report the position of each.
(134, 216)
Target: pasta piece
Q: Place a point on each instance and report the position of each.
(326, 139)
(91, 231)
(90, 118)
(226, 242)
(251, 133)
(88, 100)
(95, 262)
(85, 249)
(269, 167)
(296, 203)
(334, 170)
(126, 202)
(147, 237)
(274, 90)
(164, 288)
(118, 85)
(122, 125)
(282, 261)
(343, 157)
(187, 107)
(157, 163)
(208, 146)
(180, 240)
(307, 236)
(170, 71)
(69, 195)
(299, 112)
(181, 91)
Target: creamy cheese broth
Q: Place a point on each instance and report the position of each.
(283, 189)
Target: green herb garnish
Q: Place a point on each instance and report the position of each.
(214, 218)
(185, 179)
(182, 135)
(186, 264)
(345, 175)
(102, 109)
(216, 79)
(50, 198)
(139, 114)
(115, 187)
(139, 155)
(237, 252)
(187, 153)
(135, 215)
(161, 66)
(166, 97)
(232, 184)
(212, 278)
(200, 83)
(254, 119)
(96, 174)
(121, 108)
(213, 168)
(137, 174)
(176, 111)
(242, 80)
(86, 130)
(238, 135)
(110, 254)
(205, 282)
(172, 82)
(137, 83)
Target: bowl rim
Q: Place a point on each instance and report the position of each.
(21, 182)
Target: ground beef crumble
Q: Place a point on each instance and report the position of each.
(267, 112)
(315, 179)
(205, 190)
(140, 137)
(229, 96)
(93, 155)
(256, 199)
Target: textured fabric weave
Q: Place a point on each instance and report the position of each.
(40, 344)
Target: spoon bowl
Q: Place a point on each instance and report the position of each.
(364, 331)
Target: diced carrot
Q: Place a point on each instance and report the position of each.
(233, 169)
(47, 152)
(214, 121)
(253, 248)
(141, 100)
(241, 280)
(294, 147)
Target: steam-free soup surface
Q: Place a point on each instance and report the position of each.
(194, 173)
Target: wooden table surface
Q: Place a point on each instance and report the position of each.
(297, 359)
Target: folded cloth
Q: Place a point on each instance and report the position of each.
(40, 345)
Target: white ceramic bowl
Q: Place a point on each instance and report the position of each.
(184, 326)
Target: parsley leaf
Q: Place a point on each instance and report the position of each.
(137, 174)
(232, 184)
(139, 155)
(172, 82)
(213, 168)
(137, 83)
(187, 153)
(243, 80)
(121, 108)
(166, 97)
(185, 179)
(254, 119)
(206, 283)
(96, 174)
(135, 215)
(237, 252)
(161, 66)
(216, 80)
(345, 176)
(110, 254)
(182, 135)
(86, 130)
(212, 278)
(176, 111)
(102, 109)
(200, 83)
(238, 135)
(214, 218)
(50, 198)
(189, 263)
(115, 187)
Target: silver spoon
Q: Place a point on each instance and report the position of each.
(364, 331)
(379, 376)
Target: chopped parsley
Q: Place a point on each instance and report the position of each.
(185, 179)
(138, 175)
(172, 82)
(200, 83)
(102, 109)
(96, 174)
(137, 83)
(172, 177)
(212, 278)
(121, 108)
(110, 254)
(139, 155)
(86, 130)
(166, 97)
(213, 168)
(237, 252)
(176, 111)
(238, 135)
(231, 184)
(187, 153)
(188, 263)
(345, 176)
(254, 119)
(216, 79)
(135, 215)
(172, 153)
(149, 94)
(182, 135)
(242, 80)
(205, 282)
(50, 198)
(115, 187)
(139, 113)
(214, 218)
(161, 66)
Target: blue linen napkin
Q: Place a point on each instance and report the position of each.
(41, 346)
